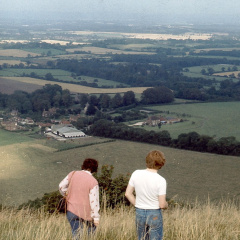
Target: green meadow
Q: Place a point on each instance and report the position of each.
(8, 138)
(196, 71)
(218, 120)
(57, 74)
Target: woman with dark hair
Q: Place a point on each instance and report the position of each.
(150, 189)
(82, 192)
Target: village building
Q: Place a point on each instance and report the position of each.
(47, 126)
(156, 120)
(14, 113)
(49, 113)
(64, 122)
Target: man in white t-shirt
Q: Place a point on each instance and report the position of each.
(150, 189)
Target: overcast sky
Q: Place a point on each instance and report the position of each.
(217, 11)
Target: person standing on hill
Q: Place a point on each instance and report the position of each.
(82, 192)
(150, 190)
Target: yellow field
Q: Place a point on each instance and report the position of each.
(98, 50)
(76, 88)
(11, 62)
(16, 53)
(14, 41)
(51, 41)
(193, 36)
(227, 73)
(215, 49)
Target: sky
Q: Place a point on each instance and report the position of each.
(212, 11)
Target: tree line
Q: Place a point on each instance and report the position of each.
(189, 141)
(54, 96)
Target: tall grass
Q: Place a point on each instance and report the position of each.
(200, 222)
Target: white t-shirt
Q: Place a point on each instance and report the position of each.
(148, 186)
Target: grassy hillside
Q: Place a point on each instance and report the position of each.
(30, 169)
(203, 222)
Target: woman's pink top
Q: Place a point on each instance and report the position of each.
(83, 194)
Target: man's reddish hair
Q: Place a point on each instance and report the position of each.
(155, 160)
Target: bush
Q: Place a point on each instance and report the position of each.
(111, 190)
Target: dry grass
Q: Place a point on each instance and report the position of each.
(202, 222)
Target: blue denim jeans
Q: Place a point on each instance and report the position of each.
(149, 224)
(78, 225)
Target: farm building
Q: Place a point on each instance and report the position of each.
(67, 131)
(155, 120)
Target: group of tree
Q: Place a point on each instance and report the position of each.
(45, 98)
(54, 96)
(189, 141)
(105, 102)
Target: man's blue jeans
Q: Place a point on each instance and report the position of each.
(149, 224)
(78, 225)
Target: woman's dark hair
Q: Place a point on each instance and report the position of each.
(90, 164)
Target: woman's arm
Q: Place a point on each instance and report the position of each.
(94, 204)
(63, 186)
(129, 194)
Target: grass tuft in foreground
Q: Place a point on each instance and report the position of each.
(201, 221)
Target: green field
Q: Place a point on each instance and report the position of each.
(196, 71)
(57, 74)
(30, 169)
(213, 119)
(9, 72)
(7, 138)
(45, 51)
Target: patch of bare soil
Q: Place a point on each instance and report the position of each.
(8, 86)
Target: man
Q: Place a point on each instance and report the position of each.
(150, 189)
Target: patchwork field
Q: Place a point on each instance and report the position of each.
(194, 36)
(11, 62)
(57, 74)
(8, 86)
(72, 87)
(16, 53)
(220, 76)
(30, 169)
(98, 50)
(213, 119)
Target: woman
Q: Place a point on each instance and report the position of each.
(150, 189)
(82, 192)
